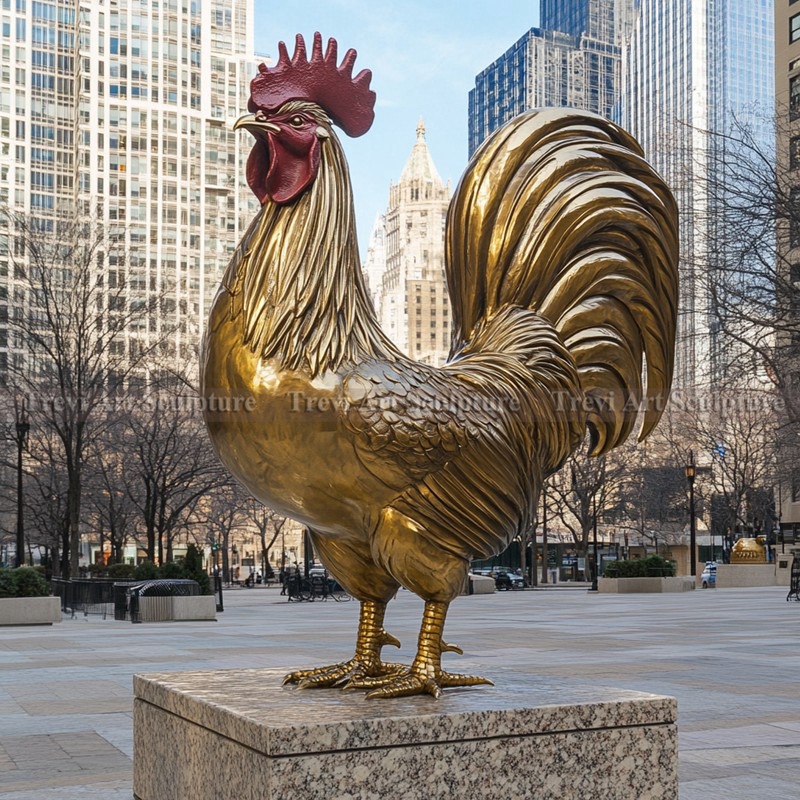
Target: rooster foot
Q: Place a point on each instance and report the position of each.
(415, 682)
(348, 674)
(365, 665)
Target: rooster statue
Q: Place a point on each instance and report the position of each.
(562, 271)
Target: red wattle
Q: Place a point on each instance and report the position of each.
(289, 173)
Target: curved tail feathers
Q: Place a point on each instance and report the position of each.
(559, 213)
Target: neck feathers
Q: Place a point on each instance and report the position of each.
(298, 278)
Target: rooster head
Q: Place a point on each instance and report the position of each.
(292, 106)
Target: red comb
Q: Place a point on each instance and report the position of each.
(349, 101)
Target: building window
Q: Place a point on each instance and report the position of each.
(794, 28)
(795, 273)
(794, 218)
(794, 96)
(794, 152)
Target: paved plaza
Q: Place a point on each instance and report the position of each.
(731, 657)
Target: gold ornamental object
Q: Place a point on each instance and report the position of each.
(562, 249)
(749, 551)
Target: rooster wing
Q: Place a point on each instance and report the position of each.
(559, 212)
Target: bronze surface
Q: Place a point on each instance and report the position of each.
(562, 269)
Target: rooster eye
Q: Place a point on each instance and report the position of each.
(296, 121)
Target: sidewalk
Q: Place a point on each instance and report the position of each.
(731, 657)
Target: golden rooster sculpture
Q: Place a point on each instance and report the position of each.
(562, 271)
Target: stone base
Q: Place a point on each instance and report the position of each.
(730, 576)
(239, 734)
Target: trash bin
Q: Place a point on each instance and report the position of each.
(151, 601)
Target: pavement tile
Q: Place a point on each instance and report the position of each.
(729, 656)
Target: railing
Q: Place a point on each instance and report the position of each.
(89, 595)
(123, 599)
(794, 581)
(315, 587)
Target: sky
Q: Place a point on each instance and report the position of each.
(424, 57)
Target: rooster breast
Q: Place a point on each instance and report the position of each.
(279, 431)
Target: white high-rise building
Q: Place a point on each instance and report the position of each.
(122, 111)
(375, 262)
(694, 68)
(412, 301)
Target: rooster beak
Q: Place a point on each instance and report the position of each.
(253, 123)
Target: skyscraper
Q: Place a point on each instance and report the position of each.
(787, 116)
(413, 305)
(694, 71)
(122, 112)
(572, 60)
(604, 21)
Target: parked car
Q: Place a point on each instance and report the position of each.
(709, 577)
(507, 580)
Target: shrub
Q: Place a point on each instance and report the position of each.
(171, 569)
(30, 583)
(193, 569)
(22, 582)
(8, 583)
(190, 568)
(120, 571)
(146, 571)
(650, 567)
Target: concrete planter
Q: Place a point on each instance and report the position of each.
(731, 576)
(29, 610)
(645, 585)
(167, 609)
(481, 584)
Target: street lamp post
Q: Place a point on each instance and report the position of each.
(544, 537)
(594, 543)
(690, 476)
(23, 426)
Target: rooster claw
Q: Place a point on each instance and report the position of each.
(387, 638)
(319, 677)
(413, 683)
(351, 674)
(363, 681)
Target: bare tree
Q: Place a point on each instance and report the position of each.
(739, 433)
(108, 481)
(44, 492)
(650, 501)
(752, 221)
(223, 511)
(68, 340)
(173, 471)
(582, 490)
(269, 524)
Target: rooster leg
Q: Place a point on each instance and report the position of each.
(426, 676)
(365, 665)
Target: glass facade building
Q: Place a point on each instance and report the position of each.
(574, 59)
(121, 111)
(693, 69)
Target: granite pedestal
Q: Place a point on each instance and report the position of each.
(239, 734)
